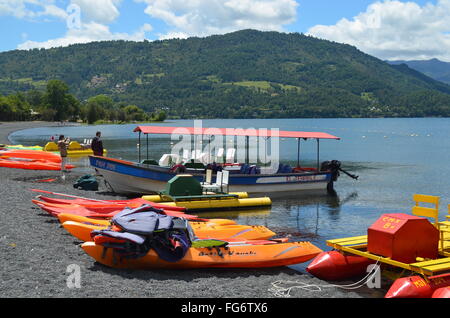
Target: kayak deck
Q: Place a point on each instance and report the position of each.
(240, 256)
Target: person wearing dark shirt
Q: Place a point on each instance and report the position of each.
(97, 144)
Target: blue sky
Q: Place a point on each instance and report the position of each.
(388, 29)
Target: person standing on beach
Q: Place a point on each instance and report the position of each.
(63, 144)
(97, 144)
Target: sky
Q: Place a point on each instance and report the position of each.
(387, 29)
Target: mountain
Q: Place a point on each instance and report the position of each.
(244, 74)
(433, 68)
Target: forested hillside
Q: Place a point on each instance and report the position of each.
(433, 68)
(245, 74)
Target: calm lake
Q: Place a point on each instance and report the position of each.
(394, 158)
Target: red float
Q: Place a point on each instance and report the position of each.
(417, 286)
(334, 265)
(442, 293)
(403, 238)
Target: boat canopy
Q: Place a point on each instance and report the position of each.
(233, 132)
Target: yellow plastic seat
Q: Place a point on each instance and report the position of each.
(432, 212)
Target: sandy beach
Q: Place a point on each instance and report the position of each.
(36, 252)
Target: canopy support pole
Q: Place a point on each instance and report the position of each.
(209, 149)
(318, 154)
(247, 154)
(146, 135)
(298, 152)
(139, 147)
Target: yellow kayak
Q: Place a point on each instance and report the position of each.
(74, 149)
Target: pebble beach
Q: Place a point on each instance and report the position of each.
(37, 253)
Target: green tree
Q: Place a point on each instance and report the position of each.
(6, 110)
(98, 108)
(134, 113)
(58, 99)
(92, 114)
(159, 116)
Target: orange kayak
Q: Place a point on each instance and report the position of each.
(63, 217)
(32, 164)
(203, 230)
(31, 154)
(239, 255)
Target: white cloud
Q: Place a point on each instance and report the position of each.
(30, 9)
(95, 16)
(395, 30)
(89, 32)
(100, 11)
(206, 17)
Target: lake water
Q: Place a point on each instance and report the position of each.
(394, 158)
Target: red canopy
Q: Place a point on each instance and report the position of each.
(251, 132)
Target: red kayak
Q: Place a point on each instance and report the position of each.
(104, 205)
(105, 213)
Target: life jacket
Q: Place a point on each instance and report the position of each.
(133, 232)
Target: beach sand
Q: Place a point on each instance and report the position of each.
(36, 252)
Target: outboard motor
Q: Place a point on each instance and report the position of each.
(334, 166)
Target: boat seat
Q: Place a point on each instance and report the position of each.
(229, 158)
(430, 212)
(349, 241)
(219, 155)
(444, 240)
(432, 267)
(208, 186)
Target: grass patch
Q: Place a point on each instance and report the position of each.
(265, 86)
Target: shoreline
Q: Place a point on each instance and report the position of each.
(38, 252)
(7, 128)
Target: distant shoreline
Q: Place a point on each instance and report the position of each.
(7, 128)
